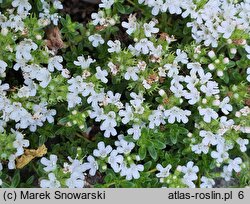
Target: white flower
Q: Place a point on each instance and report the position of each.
(101, 74)
(227, 28)
(195, 68)
(57, 4)
(178, 114)
(109, 120)
(55, 62)
(3, 66)
(22, 6)
(220, 155)
(247, 48)
(76, 180)
(125, 147)
(208, 114)
(106, 4)
(102, 151)
(84, 63)
(207, 182)
(181, 57)
(127, 114)
(225, 107)
(12, 162)
(200, 148)
(108, 124)
(190, 171)
(235, 165)
(158, 6)
(98, 18)
(149, 28)
(132, 171)
(164, 172)
(135, 131)
(19, 143)
(131, 73)
(242, 143)
(156, 118)
(44, 77)
(210, 89)
(96, 39)
(115, 160)
(51, 183)
(115, 46)
(248, 72)
(226, 174)
(49, 163)
(131, 25)
(144, 46)
(208, 137)
(24, 48)
(91, 165)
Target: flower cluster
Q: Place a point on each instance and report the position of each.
(149, 93)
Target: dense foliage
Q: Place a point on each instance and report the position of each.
(147, 93)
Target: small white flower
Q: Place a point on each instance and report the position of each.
(98, 18)
(149, 28)
(242, 143)
(225, 106)
(131, 25)
(3, 66)
(19, 143)
(178, 114)
(181, 57)
(132, 171)
(101, 74)
(210, 89)
(207, 182)
(57, 4)
(96, 39)
(227, 28)
(51, 183)
(106, 4)
(49, 163)
(235, 165)
(127, 114)
(55, 62)
(76, 180)
(208, 137)
(84, 63)
(22, 6)
(115, 46)
(248, 71)
(144, 46)
(208, 114)
(115, 160)
(164, 172)
(226, 174)
(190, 171)
(131, 73)
(102, 151)
(91, 165)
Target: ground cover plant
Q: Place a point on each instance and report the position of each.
(138, 93)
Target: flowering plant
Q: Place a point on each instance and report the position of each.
(147, 93)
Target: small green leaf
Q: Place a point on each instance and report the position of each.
(159, 145)
(142, 152)
(152, 152)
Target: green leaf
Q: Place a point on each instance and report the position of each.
(152, 152)
(159, 145)
(120, 8)
(127, 184)
(147, 165)
(142, 152)
(15, 180)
